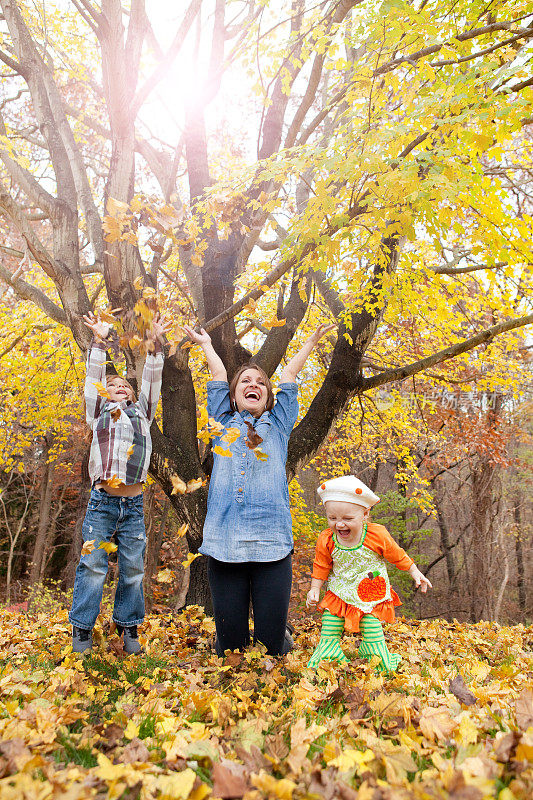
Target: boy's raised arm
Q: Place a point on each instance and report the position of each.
(214, 362)
(293, 367)
(95, 371)
(153, 370)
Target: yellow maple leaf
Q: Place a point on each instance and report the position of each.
(182, 530)
(176, 786)
(116, 207)
(109, 547)
(221, 452)
(129, 451)
(138, 282)
(101, 389)
(231, 435)
(194, 484)
(352, 758)
(165, 576)
(274, 323)
(88, 547)
(178, 486)
(190, 558)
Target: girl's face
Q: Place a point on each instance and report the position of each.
(251, 393)
(119, 390)
(346, 520)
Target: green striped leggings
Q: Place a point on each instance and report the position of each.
(372, 644)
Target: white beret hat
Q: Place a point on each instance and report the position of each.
(347, 489)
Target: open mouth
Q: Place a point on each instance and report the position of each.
(252, 394)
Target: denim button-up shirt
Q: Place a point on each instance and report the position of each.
(248, 512)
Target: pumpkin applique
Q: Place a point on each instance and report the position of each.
(372, 588)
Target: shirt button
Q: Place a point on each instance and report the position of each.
(239, 489)
(242, 472)
(244, 455)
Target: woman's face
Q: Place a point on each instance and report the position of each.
(251, 393)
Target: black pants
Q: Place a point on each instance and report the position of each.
(268, 585)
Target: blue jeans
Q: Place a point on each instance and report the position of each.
(107, 515)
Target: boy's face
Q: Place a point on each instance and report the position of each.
(346, 519)
(119, 390)
(251, 393)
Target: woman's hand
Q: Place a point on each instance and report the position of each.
(312, 597)
(99, 328)
(200, 337)
(320, 332)
(419, 579)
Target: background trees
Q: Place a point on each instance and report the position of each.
(340, 159)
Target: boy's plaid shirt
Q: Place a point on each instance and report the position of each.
(121, 445)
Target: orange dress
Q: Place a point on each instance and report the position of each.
(358, 582)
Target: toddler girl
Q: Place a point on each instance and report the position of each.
(351, 553)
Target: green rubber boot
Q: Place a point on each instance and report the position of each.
(329, 646)
(373, 644)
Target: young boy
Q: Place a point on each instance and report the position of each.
(118, 465)
(351, 554)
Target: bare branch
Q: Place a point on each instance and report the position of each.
(400, 373)
(450, 270)
(12, 64)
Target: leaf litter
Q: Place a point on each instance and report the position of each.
(456, 720)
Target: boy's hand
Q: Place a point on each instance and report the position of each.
(320, 332)
(199, 337)
(159, 327)
(99, 328)
(312, 597)
(419, 579)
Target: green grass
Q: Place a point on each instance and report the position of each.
(71, 754)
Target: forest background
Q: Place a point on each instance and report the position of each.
(261, 168)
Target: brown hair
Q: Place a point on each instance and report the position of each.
(235, 380)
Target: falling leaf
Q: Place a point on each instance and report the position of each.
(221, 452)
(165, 576)
(259, 454)
(139, 282)
(457, 686)
(178, 486)
(190, 558)
(274, 323)
(194, 485)
(109, 547)
(182, 530)
(252, 439)
(130, 450)
(231, 435)
(115, 207)
(114, 482)
(101, 389)
(88, 547)
(115, 414)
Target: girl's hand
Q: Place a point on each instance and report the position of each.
(201, 337)
(312, 597)
(419, 579)
(159, 327)
(99, 328)
(320, 332)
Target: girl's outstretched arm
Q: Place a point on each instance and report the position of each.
(214, 362)
(313, 594)
(293, 367)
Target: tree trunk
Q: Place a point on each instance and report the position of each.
(519, 552)
(153, 547)
(76, 543)
(45, 504)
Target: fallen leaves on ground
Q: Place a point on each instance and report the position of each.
(178, 723)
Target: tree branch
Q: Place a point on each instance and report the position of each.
(28, 292)
(400, 373)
